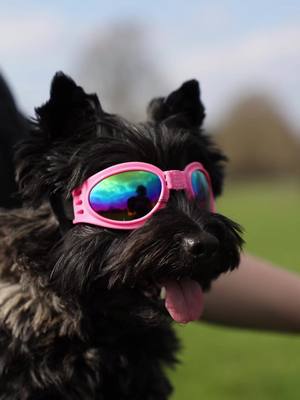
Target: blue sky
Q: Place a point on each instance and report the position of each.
(232, 47)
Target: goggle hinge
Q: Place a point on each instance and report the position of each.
(176, 180)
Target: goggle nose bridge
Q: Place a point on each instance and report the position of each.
(176, 180)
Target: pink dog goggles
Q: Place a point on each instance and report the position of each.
(126, 195)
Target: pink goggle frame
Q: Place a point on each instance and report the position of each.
(170, 180)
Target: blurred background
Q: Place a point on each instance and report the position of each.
(247, 59)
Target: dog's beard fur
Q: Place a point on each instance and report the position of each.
(97, 288)
(147, 255)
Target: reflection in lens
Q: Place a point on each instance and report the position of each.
(201, 188)
(126, 196)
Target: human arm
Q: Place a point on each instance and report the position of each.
(257, 295)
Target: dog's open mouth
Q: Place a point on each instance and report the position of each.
(183, 299)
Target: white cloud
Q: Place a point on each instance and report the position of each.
(264, 61)
(25, 35)
(34, 47)
(246, 53)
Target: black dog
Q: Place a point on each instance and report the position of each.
(80, 310)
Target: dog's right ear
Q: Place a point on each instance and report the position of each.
(68, 108)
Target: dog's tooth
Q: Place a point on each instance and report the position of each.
(163, 293)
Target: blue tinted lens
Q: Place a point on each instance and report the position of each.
(201, 188)
(126, 196)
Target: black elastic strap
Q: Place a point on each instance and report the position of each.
(63, 210)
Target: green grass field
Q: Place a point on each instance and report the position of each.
(221, 363)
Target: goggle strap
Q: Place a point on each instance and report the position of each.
(176, 180)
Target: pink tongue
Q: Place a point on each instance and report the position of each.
(184, 300)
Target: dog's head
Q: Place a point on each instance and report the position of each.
(181, 247)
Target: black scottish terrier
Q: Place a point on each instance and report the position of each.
(81, 316)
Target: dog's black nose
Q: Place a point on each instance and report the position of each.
(201, 245)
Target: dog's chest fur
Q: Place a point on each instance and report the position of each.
(103, 353)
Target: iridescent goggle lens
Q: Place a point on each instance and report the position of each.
(126, 196)
(200, 188)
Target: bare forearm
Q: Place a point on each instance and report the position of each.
(258, 295)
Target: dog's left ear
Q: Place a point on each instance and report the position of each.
(182, 108)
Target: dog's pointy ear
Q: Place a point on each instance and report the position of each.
(182, 108)
(67, 108)
(43, 159)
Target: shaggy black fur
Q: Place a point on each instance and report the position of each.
(80, 314)
(13, 128)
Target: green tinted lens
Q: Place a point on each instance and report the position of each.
(126, 196)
